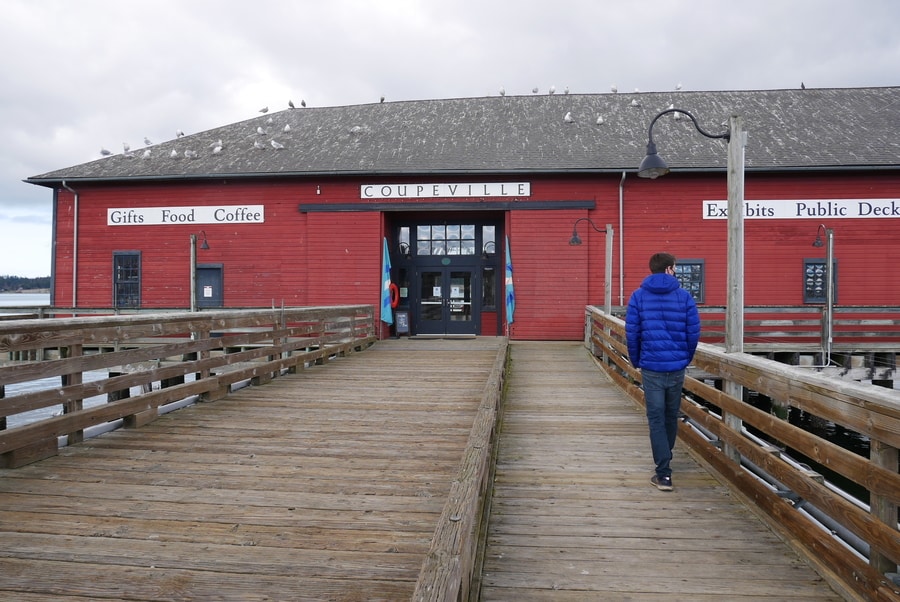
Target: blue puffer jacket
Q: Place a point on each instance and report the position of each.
(662, 325)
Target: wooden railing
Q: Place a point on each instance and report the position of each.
(453, 561)
(151, 360)
(798, 503)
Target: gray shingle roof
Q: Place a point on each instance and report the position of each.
(787, 129)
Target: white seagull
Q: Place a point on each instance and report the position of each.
(614, 89)
(276, 145)
(568, 118)
(260, 131)
(502, 91)
(147, 141)
(126, 147)
(146, 154)
(258, 144)
(264, 110)
(179, 133)
(600, 120)
(287, 127)
(105, 152)
(174, 154)
(552, 90)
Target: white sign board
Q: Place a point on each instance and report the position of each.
(808, 209)
(157, 216)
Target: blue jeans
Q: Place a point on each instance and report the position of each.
(662, 395)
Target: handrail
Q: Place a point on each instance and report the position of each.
(450, 571)
(784, 499)
(163, 358)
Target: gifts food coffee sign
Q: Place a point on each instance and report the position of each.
(156, 216)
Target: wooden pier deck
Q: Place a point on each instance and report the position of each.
(574, 517)
(328, 484)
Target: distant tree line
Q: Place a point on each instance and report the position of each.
(15, 283)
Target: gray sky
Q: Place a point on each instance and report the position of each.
(78, 76)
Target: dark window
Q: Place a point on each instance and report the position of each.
(814, 281)
(126, 279)
(445, 239)
(488, 288)
(691, 274)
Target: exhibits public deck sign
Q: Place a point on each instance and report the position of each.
(806, 208)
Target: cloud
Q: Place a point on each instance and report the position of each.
(81, 76)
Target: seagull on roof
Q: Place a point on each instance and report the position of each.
(216, 143)
(264, 110)
(259, 145)
(678, 86)
(190, 154)
(147, 141)
(568, 118)
(217, 148)
(290, 104)
(125, 147)
(635, 102)
(566, 90)
(303, 103)
(502, 91)
(382, 98)
(105, 152)
(275, 144)
(534, 90)
(552, 90)
(146, 154)
(260, 131)
(600, 120)
(174, 154)
(802, 86)
(179, 133)
(614, 89)
(287, 127)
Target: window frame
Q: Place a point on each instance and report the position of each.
(134, 282)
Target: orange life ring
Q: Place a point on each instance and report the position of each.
(395, 295)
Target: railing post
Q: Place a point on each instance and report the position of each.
(881, 507)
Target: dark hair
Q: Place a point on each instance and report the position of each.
(660, 261)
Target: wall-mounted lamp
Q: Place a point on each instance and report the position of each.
(203, 245)
(489, 248)
(404, 249)
(607, 282)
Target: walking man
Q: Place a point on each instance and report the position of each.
(662, 327)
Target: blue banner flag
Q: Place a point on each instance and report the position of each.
(387, 314)
(510, 293)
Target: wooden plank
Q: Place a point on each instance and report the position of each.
(325, 484)
(574, 516)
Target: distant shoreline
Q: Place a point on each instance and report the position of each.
(27, 291)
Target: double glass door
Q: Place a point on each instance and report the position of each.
(446, 301)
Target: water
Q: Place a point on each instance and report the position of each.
(24, 299)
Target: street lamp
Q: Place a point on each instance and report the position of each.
(652, 167)
(607, 283)
(828, 322)
(203, 245)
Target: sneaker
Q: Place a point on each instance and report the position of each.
(662, 483)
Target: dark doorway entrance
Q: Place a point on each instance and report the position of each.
(447, 270)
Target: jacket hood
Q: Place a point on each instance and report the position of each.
(660, 283)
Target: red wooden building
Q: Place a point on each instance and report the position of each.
(294, 207)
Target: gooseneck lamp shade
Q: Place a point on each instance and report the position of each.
(575, 240)
(653, 165)
(204, 245)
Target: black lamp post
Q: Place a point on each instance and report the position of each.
(652, 167)
(607, 282)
